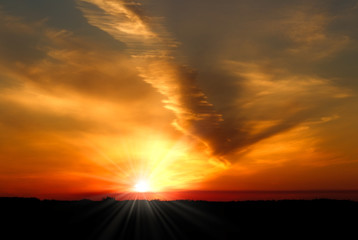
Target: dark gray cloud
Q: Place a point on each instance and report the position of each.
(275, 44)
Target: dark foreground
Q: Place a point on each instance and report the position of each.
(109, 219)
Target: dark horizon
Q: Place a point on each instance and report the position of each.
(112, 220)
(206, 195)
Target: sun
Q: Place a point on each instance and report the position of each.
(142, 186)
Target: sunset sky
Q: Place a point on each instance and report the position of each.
(98, 95)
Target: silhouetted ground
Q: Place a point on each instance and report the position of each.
(108, 219)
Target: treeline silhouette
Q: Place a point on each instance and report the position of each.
(31, 218)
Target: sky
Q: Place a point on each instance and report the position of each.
(232, 95)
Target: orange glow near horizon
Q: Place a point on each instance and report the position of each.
(162, 165)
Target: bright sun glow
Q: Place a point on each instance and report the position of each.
(142, 186)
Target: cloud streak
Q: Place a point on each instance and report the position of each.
(154, 50)
(152, 47)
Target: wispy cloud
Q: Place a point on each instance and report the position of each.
(152, 48)
(275, 101)
(307, 29)
(195, 115)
